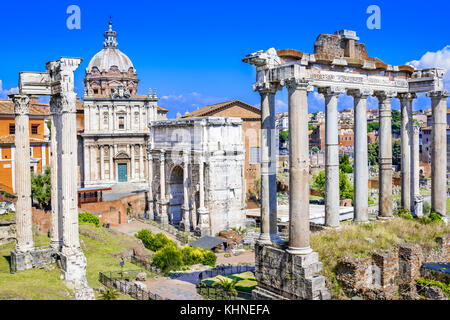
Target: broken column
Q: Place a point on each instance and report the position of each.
(24, 231)
(331, 155)
(361, 166)
(385, 155)
(73, 261)
(438, 152)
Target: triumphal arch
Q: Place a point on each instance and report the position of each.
(338, 65)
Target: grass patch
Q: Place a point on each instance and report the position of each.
(98, 245)
(8, 217)
(246, 283)
(350, 240)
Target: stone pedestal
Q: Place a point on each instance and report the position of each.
(73, 269)
(203, 228)
(21, 261)
(163, 218)
(184, 224)
(284, 276)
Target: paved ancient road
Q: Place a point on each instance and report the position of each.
(173, 289)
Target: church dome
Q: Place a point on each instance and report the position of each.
(110, 56)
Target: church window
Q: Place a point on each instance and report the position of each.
(121, 123)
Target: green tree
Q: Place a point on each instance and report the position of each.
(284, 136)
(344, 164)
(345, 187)
(396, 121)
(396, 152)
(41, 187)
(315, 149)
(311, 127)
(319, 182)
(373, 126)
(372, 153)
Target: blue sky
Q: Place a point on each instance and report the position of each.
(191, 51)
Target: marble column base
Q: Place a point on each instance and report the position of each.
(185, 224)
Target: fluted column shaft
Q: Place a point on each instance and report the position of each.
(385, 156)
(24, 231)
(268, 167)
(331, 156)
(438, 152)
(299, 232)
(150, 185)
(203, 227)
(361, 165)
(56, 215)
(111, 163)
(406, 100)
(71, 242)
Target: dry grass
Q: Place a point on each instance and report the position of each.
(350, 240)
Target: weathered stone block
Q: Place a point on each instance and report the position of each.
(410, 261)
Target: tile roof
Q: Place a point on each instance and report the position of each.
(209, 110)
(11, 140)
(36, 109)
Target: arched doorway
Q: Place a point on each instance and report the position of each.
(176, 195)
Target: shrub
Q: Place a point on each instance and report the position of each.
(431, 218)
(154, 242)
(109, 294)
(198, 256)
(168, 258)
(209, 259)
(88, 218)
(403, 213)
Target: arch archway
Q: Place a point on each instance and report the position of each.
(176, 195)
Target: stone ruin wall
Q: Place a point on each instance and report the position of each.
(383, 274)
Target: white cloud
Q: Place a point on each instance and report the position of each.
(188, 102)
(438, 59)
(4, 92)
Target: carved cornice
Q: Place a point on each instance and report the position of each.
(21, 104)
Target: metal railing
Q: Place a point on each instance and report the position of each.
(213, 293)
(145, 264)
(111, 280)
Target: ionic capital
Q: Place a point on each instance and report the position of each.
(299, 84)
(360, 93)
(385, 97)
(331, 91)
(21, 104)
(407, 96)
(266, 87)
(438, 94)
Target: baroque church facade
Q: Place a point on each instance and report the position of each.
(116, 120)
